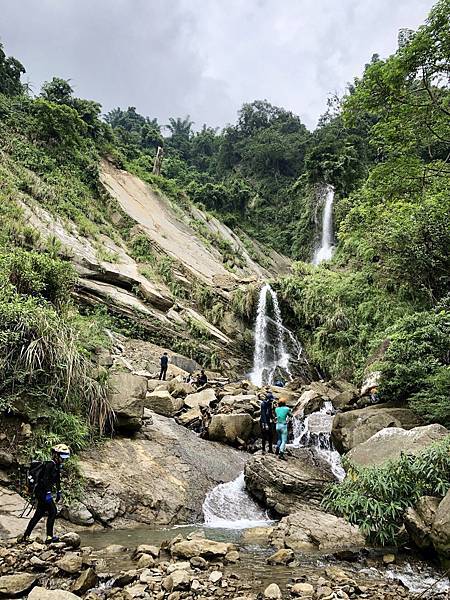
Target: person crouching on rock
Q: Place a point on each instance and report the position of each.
(46, 477)
(282, 413)
(266, 421)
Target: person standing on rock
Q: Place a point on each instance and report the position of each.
(46, 478)
(282, 413)
(164, 365)
(266, 421)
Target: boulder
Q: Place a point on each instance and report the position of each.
(40, 593)
(177, 580)
(230, 428)
(390, 443)
(126, 397)
(189, 417)
(160, 477)
(87, 580)
(372, 380)
(12, 586)
(182, 362)
(312, 529)
(200, 547)
(180, 389)
(71, 538)
(440, 530)
(310, 401)
(419, 520)
(305, 590)
(272, 592)
(163, 403)
(6, 458)
(70, 563)
(77, 513)
(285, 489)
(281, 557)
(203, 398)
(356, 426)
(147, 549)
(345, 399)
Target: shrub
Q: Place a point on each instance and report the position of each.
(375, 498)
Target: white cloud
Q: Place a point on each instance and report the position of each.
(204, 57)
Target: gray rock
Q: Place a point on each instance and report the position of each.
(87, 580)
(70, 563)
(230, 428)
(12, 586)
(71, 539)
(40, 593)
(281, 557)
(440, 531)
(272, 592)
(77, 513)
(162, 403)
(300, 481)
(419, 520)
(203, 398)
(200, 547)
(356, 426)
(390, 443)
(126, 397)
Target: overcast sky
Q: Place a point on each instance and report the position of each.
(204, 57)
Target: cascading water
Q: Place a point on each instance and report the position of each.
(314, 430)
(326, 249)
(269, 357)
(229, 506)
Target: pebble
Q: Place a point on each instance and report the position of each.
(272, 592)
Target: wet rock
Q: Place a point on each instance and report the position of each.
(313, 529)
(288, 488)
(303, 590)
(440, 531)
(281, 557)
(40, 593)
(257, 534)
(356, 426)
(272, 592)
(71, 539)
(230, 428)
(12, 586)
(163, 403)
(419, 520)
(391, 443)
(70, 563)
(87, 580)
(126, 397)
(77, 513)
(203, 398)
(147, 549)
(200, 547)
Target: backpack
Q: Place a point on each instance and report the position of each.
(34, 475)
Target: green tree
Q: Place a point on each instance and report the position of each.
(10, 72)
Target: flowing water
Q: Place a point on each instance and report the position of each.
(271, 356)
(314, 431)
(229, 506)
(326, 249)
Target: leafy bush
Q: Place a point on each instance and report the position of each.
(432, 402)
(375, 498)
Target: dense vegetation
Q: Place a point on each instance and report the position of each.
(375, 498)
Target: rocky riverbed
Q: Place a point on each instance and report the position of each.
(187, 567)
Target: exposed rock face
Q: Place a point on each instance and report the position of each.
(230, 428)
(356, 426)
(126, 397)
(203, 398)
(419, 520)
(11, 507)
(163, 403)
(160, 478)
(440, 531)
(77, 513)
(312, 529)
(285, 487)
(390, 443)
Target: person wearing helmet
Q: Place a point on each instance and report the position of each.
(49, 478)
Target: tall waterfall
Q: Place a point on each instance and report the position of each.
(269, 354)
(326, 249)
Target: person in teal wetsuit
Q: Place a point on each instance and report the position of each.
(282, 412)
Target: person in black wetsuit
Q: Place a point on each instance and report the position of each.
(266, 421)
(202, 379)
(48, 479)
(164, 365)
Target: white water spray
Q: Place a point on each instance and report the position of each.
(326, 249)
(228, 506)
(269, 357)
(314, 431)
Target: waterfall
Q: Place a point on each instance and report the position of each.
(326, 249)
(314, 431)
(229, 506)
(268, 357)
